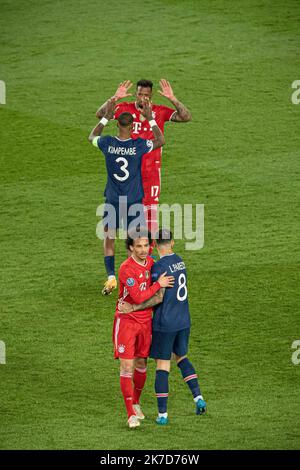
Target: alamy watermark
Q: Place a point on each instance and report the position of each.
(2, 92)
(296, 94)
(296, 354)
(2, 353)
(188, 220)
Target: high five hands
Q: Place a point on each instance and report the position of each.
(122, 91)
(166, 89)
(124, 87)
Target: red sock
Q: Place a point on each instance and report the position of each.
(127, 391)
(139, 379)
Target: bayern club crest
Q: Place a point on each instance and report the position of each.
(121, 348)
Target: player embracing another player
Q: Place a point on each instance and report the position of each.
(171, 326)
(132, 332)
(143, 284)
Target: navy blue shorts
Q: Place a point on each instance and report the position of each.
(117, 215)
(164, 344)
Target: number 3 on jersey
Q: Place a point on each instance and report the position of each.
(182, 288)
(123, 168)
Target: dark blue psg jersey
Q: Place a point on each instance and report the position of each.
(173, 313)
(123, 160)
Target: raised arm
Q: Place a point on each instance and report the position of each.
(109, 114)
(122, 92)
(182, 114)
(159, 139)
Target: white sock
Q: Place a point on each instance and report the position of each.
(199, 397)
(112, 276)
(162, 415)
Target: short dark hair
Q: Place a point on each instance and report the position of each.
(144, 84)
(125, 119)
(141, 232)
(163, 236)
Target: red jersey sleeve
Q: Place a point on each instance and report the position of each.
(167, 113)
(130, 280)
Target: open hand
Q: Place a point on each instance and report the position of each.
(147, 109)
(124, 307)
(166, 281)
(122, 91)
(166, 89)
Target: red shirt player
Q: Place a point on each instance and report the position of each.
(151, 164)
(132, 332)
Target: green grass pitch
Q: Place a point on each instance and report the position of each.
(232, 63)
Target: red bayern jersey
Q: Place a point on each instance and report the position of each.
(136, 287)
(142, 129)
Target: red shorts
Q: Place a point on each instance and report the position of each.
(151, 172)
(151, 186)
(131, 339)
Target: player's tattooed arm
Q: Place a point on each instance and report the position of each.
(155, 300)
(182, 114)
(126, 307)
(101, 111)
(139, 296)
(122, 92)
(109, 114)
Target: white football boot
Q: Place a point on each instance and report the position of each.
(133, 422)
(138, 411)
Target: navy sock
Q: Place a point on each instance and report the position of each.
(162, 389)
(109, 262)
(189, 376)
